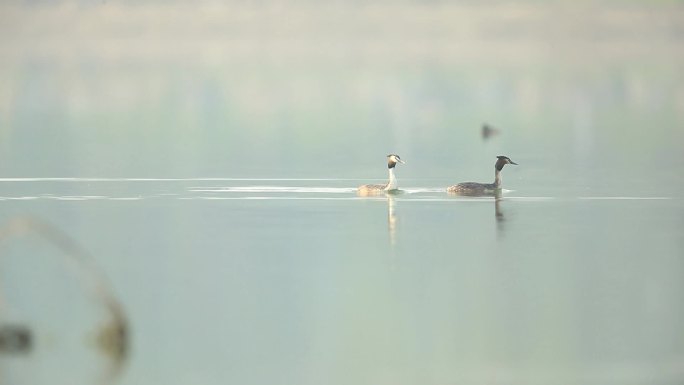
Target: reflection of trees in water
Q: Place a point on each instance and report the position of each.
(111, 338)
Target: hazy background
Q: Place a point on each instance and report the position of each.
(326, 89)
(205, 154)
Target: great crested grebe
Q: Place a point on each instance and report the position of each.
(473, 188)
(368, 189)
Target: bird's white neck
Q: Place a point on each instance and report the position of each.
(497, 178)
(392, 185)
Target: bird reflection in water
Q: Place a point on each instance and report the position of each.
(498, 213)
(391, 210)
(391, 219)
(497, 197)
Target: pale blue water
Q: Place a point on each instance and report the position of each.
(206, 176)
(300, 281)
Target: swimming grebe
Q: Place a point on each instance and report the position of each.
(473, 188)
(368, 189)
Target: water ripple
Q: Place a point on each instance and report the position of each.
(250, 189)
(273, 189)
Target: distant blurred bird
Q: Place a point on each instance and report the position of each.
(488, 131)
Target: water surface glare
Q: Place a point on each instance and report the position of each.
(174, 188)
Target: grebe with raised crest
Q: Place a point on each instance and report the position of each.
(391, 185)
(473, 188)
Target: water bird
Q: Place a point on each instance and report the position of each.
(474, 188)
(391, 185)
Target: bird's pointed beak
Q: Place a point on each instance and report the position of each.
(512, 162)
(401, 161)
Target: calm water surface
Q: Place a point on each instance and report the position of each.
(203, 179)
(300, 281)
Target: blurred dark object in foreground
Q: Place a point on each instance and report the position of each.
(92, 337)
(15, 339)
